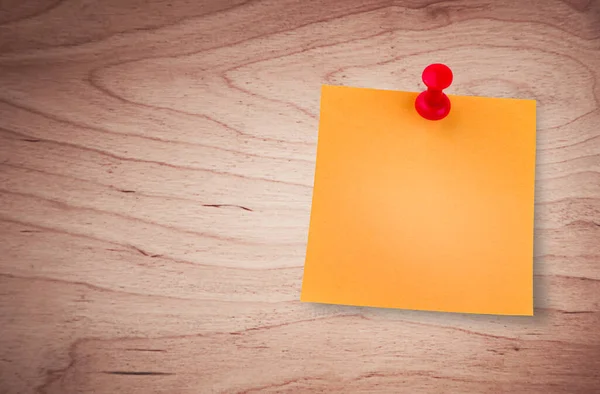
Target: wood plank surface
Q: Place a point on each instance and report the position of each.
(156, 169)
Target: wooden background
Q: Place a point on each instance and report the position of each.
(156, 168)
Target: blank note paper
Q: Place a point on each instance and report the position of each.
(419, 214)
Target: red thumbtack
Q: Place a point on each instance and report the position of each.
(433, 104)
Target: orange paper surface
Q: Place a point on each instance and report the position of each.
(418, 214)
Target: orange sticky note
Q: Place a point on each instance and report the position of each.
(419, 214)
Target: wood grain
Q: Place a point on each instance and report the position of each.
(156, 172)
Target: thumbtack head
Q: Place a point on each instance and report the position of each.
(433, 104)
